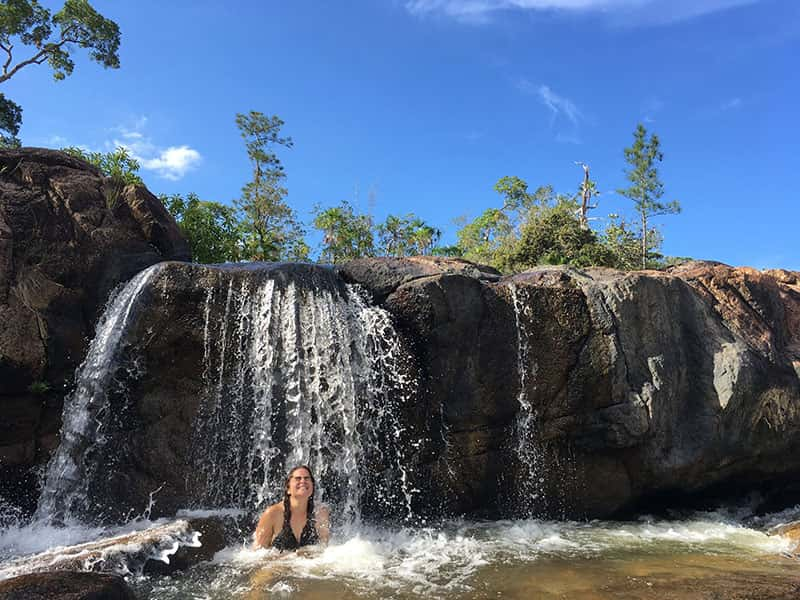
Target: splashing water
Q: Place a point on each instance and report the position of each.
(293, 373)
(88, 409)
(301, 377)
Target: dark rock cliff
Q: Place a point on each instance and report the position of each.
(641, 385)
(67, 237)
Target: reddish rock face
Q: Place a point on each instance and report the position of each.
(66, 239)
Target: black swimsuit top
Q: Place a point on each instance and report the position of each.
(285, 540)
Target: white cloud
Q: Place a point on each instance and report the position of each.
(731, 104)
(642, 12)
(171, 163)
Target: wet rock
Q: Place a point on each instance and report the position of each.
(66, 585)
(67, 237)
(215, 534)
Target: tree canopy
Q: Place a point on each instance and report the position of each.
(212, 229)
(49, 38)
(345, 234)
(646, 188)
(270, 227)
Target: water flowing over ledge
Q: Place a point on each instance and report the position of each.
(282, 366)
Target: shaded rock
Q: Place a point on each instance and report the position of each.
(554, 392)
(640, 384)
(383, 275)
(67, 238)
(66, 585)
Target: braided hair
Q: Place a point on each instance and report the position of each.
(287, 506)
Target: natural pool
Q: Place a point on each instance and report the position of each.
(706, 555)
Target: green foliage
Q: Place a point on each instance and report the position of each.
(212, 229)
(493, 237)
(646, 188)
(269, 226)
(39, 387)
(27, 23)
(118, 164)
(407, 236)
(78, 24)
(555, 236)
(449, 251)
(623, 241)
(10, 121)
(345, 234)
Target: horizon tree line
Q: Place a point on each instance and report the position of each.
(530, 228)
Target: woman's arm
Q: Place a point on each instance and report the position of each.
(265, 530)
(323, 517)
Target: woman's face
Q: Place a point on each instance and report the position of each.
(300, 484)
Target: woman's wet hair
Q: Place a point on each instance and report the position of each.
(287, 506)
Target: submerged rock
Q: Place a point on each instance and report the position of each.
(66, 585)
(67, 237)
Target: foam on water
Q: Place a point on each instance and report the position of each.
(122, 550)
(450, 559)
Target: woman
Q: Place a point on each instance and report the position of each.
(294, 523)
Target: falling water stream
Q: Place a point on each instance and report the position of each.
(296, 374)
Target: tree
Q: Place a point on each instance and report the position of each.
(407, 236)
(269, 225)
(587, 189)
(212, 229)
(556, 236)
(10, 121)
(646, 188)
(345, 234)
(492, 237)
(28, 23)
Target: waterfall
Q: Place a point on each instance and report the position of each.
(301, 376)
(528, 490)
(87, 409)
(293, 370)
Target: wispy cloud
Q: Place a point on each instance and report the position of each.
(563, 111)
(731, 104)
(559, 105)
(631, 12)
(650, 108)
(54, 141)
(171, 162)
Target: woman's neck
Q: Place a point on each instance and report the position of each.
(298, 506)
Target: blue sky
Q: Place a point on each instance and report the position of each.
(421, 105)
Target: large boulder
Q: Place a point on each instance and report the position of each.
(68, 236)
(637, 387)
(66, 585)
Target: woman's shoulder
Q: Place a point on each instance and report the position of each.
(275, 510)
(322, 511)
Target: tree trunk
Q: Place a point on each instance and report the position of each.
(644, 240)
